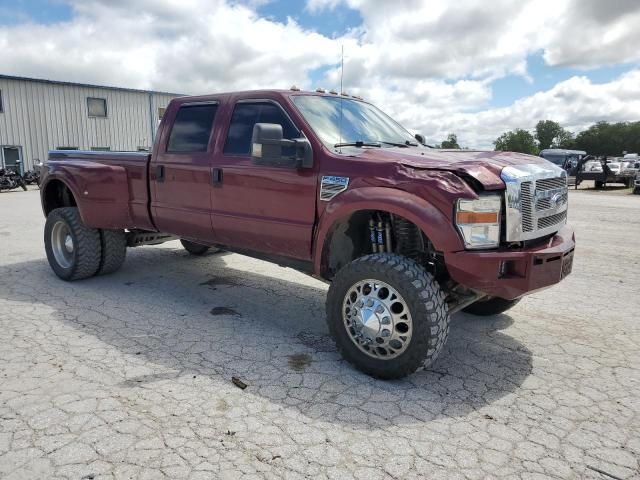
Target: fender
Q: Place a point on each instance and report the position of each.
(431, 221)
(101, 191)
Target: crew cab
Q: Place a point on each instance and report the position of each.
(404, 234)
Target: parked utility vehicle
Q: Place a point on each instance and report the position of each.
(406, 235)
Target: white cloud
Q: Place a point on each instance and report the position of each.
(576, 103)
(429, 64)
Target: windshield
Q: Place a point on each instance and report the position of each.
(555, 158)
(342, 120)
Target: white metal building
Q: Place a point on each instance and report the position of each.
(41, 115)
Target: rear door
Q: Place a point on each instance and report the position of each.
(181, 172)
(266, 209)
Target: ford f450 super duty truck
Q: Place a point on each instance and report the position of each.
(327, 184)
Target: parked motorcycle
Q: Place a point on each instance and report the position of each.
(10, 180)
(31, 177)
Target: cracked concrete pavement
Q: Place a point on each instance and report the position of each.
(129, 375)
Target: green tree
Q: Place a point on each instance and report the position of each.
(605, 138)
(450, 142)
(517, 140)
(550, 134)
(546, 132)
(565, 139)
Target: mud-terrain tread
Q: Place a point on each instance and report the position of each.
(114, 251)
(493, 306)
(425, 299)
(86, 241)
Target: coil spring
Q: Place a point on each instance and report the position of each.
(409, 241)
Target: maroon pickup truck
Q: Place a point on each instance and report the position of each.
(327, 184)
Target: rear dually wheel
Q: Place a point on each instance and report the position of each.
(73, 249)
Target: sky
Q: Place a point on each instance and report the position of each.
(471, 67)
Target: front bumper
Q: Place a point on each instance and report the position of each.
(512, 273)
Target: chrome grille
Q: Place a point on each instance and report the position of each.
(526, 196)
(545, 203)
(546, 222)
(551, 183)
(536, 200)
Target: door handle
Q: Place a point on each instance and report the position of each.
(216, 177)
(160, 173)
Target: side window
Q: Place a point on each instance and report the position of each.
(245, 116)
(192, 128)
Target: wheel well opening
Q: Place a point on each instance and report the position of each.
(57, 195)
(374, 231)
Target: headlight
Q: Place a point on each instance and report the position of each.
(479, 221)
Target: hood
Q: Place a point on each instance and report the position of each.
(483, 166)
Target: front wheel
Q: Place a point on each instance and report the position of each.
(490, 306)
(387, 315)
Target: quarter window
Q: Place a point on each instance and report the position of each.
(97, 107)
(192, 128)
(245, 116)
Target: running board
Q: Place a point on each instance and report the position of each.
(138, 238)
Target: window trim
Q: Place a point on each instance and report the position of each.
(106, 111)
(255, 100)
(173, 123)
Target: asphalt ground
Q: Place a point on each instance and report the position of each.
(130, 375)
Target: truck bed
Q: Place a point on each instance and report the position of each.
(113, 185)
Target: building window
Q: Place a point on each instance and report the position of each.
(161, 111)
(1, 109)
(192, 128)
(66, 148)
(101, 149)
(97, 107)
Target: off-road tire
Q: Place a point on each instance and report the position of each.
(114, 251)
(23, 185)
(422, 295)
(86, 240)
(195, 248)
(492, 306)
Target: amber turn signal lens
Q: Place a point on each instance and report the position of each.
(476, 217)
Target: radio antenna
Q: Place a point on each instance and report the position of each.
(342, 70)
(341, 90)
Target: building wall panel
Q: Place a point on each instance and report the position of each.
(39, 116)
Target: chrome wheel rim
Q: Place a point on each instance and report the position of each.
(62, 244)
(377, 319)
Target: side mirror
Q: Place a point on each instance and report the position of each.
(420, 138)
(267, 144)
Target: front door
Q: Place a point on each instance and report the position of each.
(12, 160)
(266, 209)
(180, 173)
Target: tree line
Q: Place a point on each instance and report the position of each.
(601, 138)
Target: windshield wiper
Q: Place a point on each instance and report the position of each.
(406, 144)
(358, 144)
